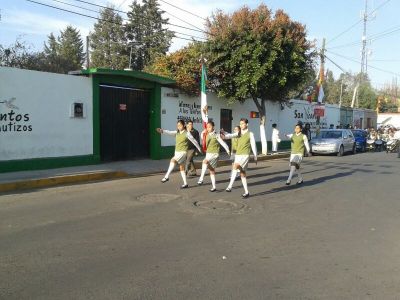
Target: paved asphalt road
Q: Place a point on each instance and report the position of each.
(335, 237)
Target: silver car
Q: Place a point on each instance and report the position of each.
(330, 141)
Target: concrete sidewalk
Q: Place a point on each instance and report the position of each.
(134, 168)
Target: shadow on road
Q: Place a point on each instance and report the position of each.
(306, 183)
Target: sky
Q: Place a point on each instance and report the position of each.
(339, 22)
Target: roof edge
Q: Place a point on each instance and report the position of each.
(127, 73)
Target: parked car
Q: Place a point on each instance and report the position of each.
(361, 139)
(329, 141)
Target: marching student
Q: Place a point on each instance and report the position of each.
(275, 138)
(190, 168)
(245, 145)
(182, 138)
(213, 142)
(299, 143)
(234, 143)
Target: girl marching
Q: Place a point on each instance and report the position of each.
(245, 145)
(299, 143)
(233, 151)
(213, 142)
(182, 138)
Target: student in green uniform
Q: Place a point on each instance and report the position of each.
(234, 144)
(213, 142)
(299, 143)
(182, 139)
(245, 145)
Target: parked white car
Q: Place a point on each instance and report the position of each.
(330, 141)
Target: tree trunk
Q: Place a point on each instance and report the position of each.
(261, 110)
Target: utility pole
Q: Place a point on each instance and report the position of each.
(87, 53)
(364, 40)
(321, 78)
(322, 67)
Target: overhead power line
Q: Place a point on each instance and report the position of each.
(124, 12)
(193, 14)
(369, 66)
(100, 19)
(92, 10)
(342, 69)
(358, 22)
(76, 6)
(371, 38)
(187, 23)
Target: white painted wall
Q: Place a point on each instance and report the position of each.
(45, 99)
(392, 119)
(171, 112)
(304, 111)
(285, 118)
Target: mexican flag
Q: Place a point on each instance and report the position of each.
(204, 109)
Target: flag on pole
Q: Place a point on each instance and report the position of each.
(204, 107)
(321, 94)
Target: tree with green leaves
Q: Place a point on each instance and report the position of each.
(20, 55)
(258, 55)
(71, 49)
(53, 60)
(146, 33)
(64, 53)
(343, 88)
(108, 43)
(183, 66)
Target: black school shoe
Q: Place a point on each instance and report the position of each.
(299, 182)
(287, 183)
(213, 190)
(228, 190)
(184, 186)
(164, 180)
(244, 196)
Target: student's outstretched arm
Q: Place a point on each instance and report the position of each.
(168, 132)
(306, 144)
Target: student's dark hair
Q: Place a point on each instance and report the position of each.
(189, 121)
(211, 123)
(300, 125)
(244, 120)
(239, 132)
(274, 125)
(182, 122)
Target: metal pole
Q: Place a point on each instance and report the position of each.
(341, 93)
(87, 53)
(364, 38)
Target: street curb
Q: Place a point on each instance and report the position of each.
(59, 180)
(100, 176)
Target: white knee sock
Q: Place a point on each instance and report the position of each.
(212, 176)
(292, 169)
(203, 172)
(299, 175)
(183, 174)
(233, 177)
(170, 169)
(244, 182)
